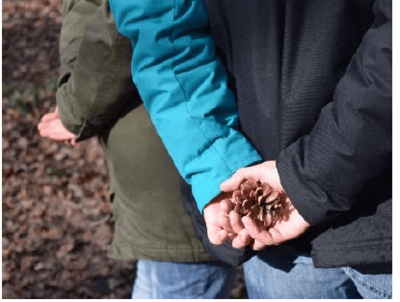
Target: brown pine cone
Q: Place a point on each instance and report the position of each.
(259, 201)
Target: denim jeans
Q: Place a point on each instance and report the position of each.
(189, 280)
(284, 275)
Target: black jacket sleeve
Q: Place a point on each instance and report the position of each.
(326, 172)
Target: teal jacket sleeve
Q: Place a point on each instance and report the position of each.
(184, 88)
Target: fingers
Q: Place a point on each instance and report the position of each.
(234, 182)
(226, 206)
(258, 245)
(290, 225)
(222, 217)
(49, 117)
(236, 222)
(217, 235)
(45, 122)
(216, 216)
(243, 238)
(266, 237)
(73, 142)
(43, 129)
(51, 126)
(253, 229)
(55, 130)
(218, 229)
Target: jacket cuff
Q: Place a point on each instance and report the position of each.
(68, 120)
(315, 202)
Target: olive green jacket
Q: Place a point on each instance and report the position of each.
(96, 97)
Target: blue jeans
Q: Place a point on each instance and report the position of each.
(285, 275)
(189, 280)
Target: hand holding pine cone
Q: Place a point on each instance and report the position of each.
(260, 201)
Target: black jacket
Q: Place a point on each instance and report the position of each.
(313, 81)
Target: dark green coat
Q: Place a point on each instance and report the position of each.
(96, 97)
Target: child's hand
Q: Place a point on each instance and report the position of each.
(50, 126)
(216, 216)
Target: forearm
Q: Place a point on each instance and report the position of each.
(327, 172)
(184, 87)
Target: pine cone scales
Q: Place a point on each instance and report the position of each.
(259, 200)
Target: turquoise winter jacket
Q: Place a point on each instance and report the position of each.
(184, 88)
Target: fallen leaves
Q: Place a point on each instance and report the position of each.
(30, 36)
(54, 196)
(53, 199)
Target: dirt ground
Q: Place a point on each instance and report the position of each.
(55, 197)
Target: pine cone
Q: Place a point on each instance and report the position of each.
(258, 200)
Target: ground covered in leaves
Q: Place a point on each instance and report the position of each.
(55, 204)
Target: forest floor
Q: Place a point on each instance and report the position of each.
(55, 198)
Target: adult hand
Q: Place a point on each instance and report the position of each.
(216, 216)
(51, 126)
(293, 224)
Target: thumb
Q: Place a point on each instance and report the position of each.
(234, 182)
